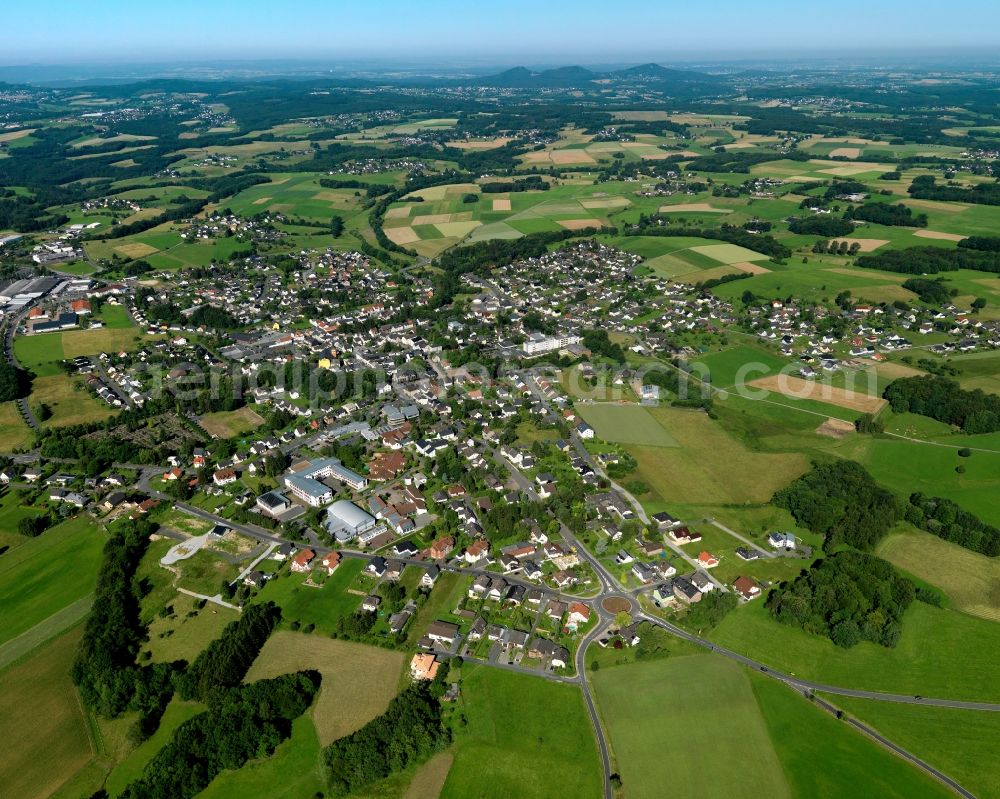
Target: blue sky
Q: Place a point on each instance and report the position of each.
(504, 32)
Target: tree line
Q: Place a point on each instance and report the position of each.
(931, 260)
(105, 670)
(241, 724)
(945, 400)
(408, 732)
(656, 225)
(225, 662)
(926, 187)
(948, 520)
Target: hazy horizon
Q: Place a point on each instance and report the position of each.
(61, 33)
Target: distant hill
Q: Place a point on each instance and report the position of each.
(524, 78)
(572, 77)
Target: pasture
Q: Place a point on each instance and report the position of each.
(525, 737)
(182, 635)
(625, 424)
(924, 662)
(368, 676)
(646, 705)
(971, 580)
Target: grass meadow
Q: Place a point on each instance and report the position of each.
(663, 716)
(41, 721)
(47, 573)
(924, 662)
(971, 580)
(961, 743)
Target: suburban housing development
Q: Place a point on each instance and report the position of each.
(448, 430)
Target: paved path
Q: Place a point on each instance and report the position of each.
(756, 547)
(215, 600)
(266, 553)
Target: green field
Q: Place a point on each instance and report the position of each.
(664, 716)
(678, 722)
(525, 737)
(625, 424)
(924, 662)
(47, 573)
(823, 757)
(45, 735)
(743, 362)
(114, 317)
(34, 351)
(319, 606)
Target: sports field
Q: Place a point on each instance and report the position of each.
(358, 680)
(971, 580)
(625, 424)
(525, 737)
(226, 424)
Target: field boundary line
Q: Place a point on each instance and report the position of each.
(48, 628)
